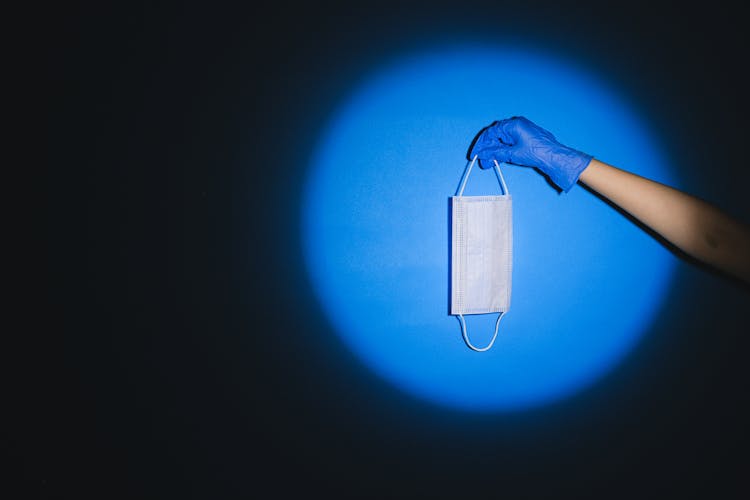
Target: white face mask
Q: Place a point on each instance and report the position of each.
(482, 254)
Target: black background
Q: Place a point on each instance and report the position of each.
(182, 353)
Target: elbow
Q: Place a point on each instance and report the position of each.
(723, 250)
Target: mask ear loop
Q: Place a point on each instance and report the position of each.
(496, 167)
(500, 177)
(466, 176)
(466, 337)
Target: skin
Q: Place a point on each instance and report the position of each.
(694, 226)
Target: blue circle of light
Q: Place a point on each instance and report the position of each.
(586, 281)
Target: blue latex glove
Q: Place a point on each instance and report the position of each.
(520, 141)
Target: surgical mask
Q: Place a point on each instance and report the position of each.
(482, 254)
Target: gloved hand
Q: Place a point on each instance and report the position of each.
(519, 141)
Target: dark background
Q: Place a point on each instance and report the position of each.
(182, 353)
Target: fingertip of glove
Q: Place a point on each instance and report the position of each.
(485, 164)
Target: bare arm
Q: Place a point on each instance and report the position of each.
(694, 226)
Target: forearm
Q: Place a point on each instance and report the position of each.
(692, 225)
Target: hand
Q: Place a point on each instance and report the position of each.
(521, 142)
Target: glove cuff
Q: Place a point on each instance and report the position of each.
(569, 165)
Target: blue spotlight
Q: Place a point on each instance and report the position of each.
(586, 282)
